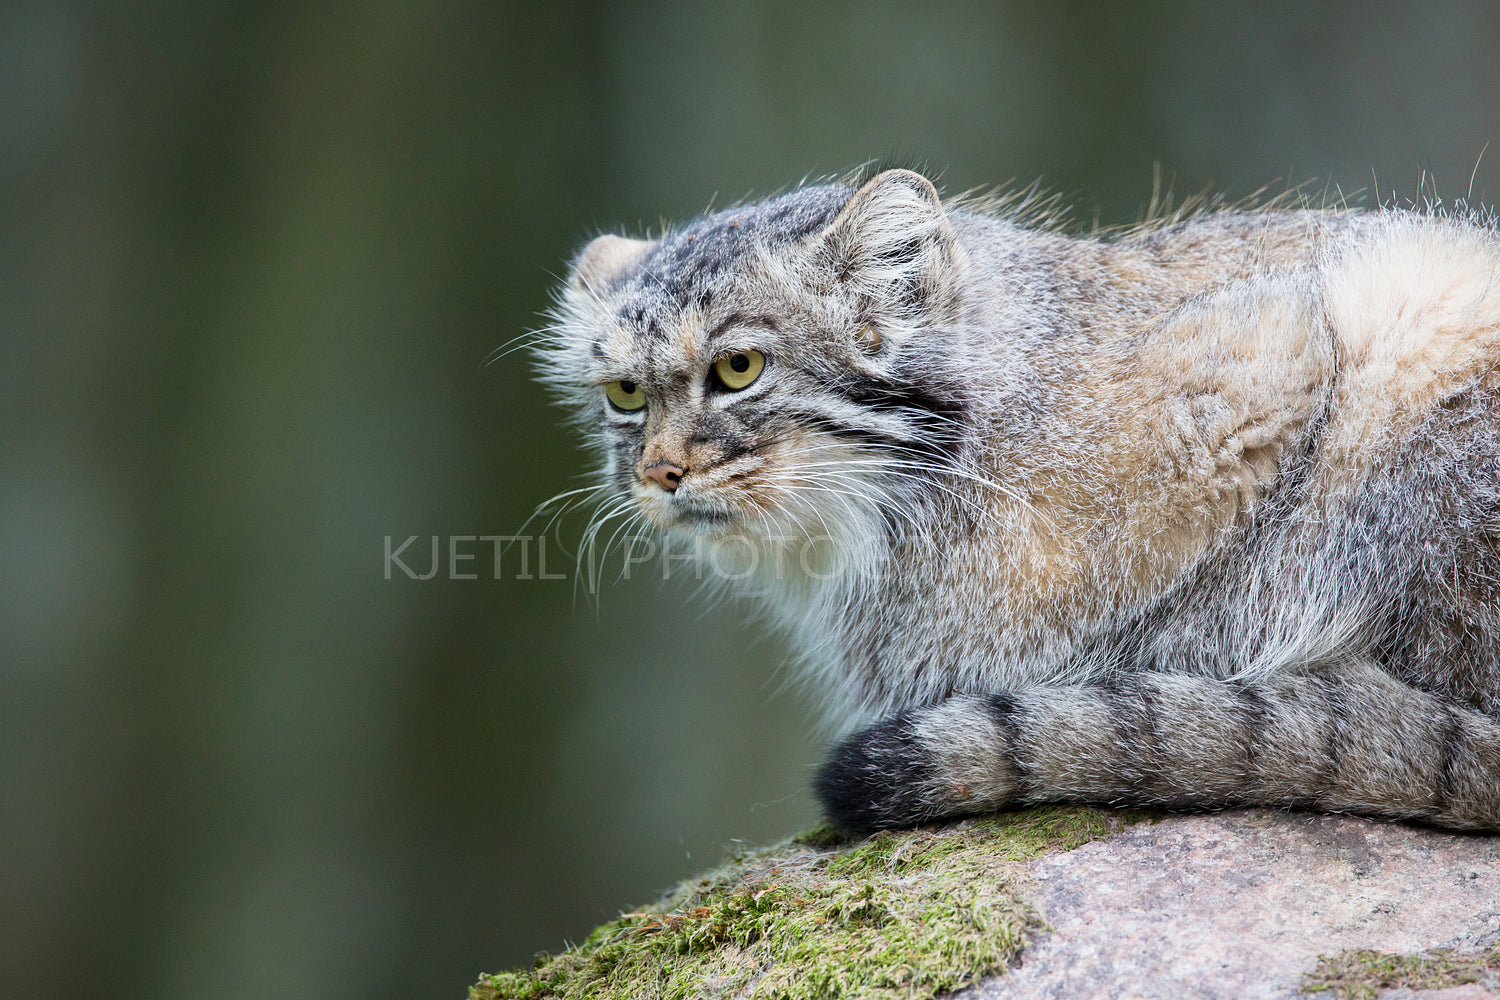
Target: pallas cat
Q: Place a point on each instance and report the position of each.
(1204, 513)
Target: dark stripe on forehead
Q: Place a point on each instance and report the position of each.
(642, 320)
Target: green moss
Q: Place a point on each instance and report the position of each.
(899, 914)
(1358, 975)
(826, 834)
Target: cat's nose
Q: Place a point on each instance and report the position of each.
(666, 475)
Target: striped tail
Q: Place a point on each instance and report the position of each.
(1346, 739)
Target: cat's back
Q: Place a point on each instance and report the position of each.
(1364, 348)
(1409, 301)
(1413, 304)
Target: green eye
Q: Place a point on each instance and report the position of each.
(738, 370)
(625, 395)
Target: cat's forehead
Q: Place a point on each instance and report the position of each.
(689, 264)
(686, 296)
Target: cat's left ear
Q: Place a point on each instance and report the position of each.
(893, 249)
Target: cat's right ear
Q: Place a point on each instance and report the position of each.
(605, 261)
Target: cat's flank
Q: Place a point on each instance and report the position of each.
(1204, 514)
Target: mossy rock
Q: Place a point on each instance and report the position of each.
(905, 914)
(1361, 975)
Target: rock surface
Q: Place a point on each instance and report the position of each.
(1239, 906)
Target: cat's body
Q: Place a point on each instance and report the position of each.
(1203, 515)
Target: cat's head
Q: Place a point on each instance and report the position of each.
(777, 370)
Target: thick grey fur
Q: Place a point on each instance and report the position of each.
(1203, 514)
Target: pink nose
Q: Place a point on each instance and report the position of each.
(666, 475)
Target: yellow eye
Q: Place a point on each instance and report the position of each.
(625, 395)
(738, 370)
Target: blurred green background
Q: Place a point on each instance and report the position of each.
(253, 260)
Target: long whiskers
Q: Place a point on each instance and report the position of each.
(531, 338)
(894, 460)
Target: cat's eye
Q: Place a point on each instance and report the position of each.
(738, 370)
(625, 395)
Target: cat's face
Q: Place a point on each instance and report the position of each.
(760, 373)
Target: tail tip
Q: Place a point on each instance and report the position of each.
(874, 779)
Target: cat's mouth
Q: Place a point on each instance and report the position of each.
(691, 510)
(685, 512)
(707, 502)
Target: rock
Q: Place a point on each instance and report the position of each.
(1240, 905)
(1062, 902)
